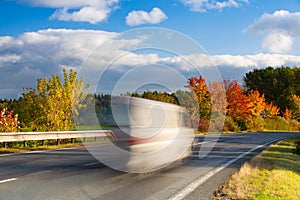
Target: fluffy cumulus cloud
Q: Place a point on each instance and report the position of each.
(138, 17)
(204, 5)
(92, 11)
(39, 54)
(278, 30)
(33, 55)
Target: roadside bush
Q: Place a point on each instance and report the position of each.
(255, 124)
(242, 125)
(297, 150)
(277, 123)
(230, 125)
(294, 125)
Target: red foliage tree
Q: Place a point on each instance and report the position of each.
(8, 121)
(239, 106)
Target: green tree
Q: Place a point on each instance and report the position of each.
(277, 84)
(158, 96)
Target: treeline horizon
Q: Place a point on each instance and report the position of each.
(267, 100)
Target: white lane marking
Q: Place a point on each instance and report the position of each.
(192, 186)
(38, 173)
(88, 164)
(209, 141)
(39, 151)
(8, 180)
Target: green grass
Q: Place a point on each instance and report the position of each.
(274, 175)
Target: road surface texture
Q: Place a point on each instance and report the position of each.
(75, 174)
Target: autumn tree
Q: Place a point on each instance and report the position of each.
(258, 103)
(202, 110)
(287, 114)
(271, 110)
(8, 121)
(218, 105)
(296, 106)
(50, 107)
(239, 107)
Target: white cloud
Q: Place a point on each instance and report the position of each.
(92, 11)
(138, 17)
(256, 60)
(10, 58)
(278, 42)
(39, 54)
(204, 5)
(86, 14)
(278, 30)
(239, 61)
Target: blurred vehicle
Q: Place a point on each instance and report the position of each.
(147, 135)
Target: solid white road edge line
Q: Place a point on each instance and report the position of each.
(192, 186)
(8, 180)
(88, 164)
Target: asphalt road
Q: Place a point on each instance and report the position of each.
(75, 174)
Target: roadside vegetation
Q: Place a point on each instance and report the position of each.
(274, 174)
(268, 100)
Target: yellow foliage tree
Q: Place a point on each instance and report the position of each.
(296, 106)
(51, 106)
(258, 103)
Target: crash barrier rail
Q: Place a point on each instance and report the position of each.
(55, 135)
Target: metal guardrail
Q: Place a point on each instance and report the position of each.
(56, 135)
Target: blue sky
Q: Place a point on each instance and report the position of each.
(39, 37)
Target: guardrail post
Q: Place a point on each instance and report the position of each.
(43, 142)
(5, 144)
(72, 140)
(24, 143)
(95, 139)
(58, 141)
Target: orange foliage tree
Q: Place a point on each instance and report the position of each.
(271, 110)
(287, 114)
(201, 94)
(239, 107)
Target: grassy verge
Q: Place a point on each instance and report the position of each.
(274, 174)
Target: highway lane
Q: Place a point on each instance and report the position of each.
(75, 174)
